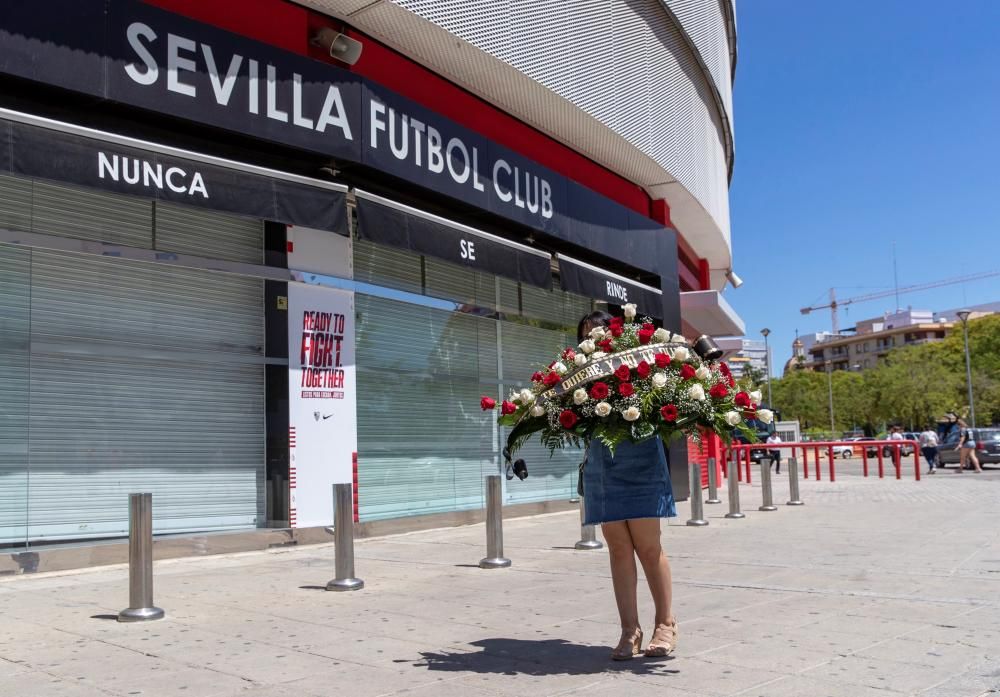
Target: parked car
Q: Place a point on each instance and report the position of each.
(844, 451)
(987, 447)
(904, 449)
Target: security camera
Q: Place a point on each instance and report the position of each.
(734, 279)
(342, 47)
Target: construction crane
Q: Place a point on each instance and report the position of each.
(834, 303)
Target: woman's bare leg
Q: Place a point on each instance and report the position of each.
(624, 575)
(645, 534)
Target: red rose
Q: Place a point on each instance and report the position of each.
(569, 354)
(605, 345)
(732, 381)
(648, 327)
(643, 369)
(645, 336)
(724, 369)
(507, 407)
(617, 330)
(537, 377)
(487, 403)
(719, 390)
(599, 390)
(551, 380)
(616, 322)
(567, 418)
(662, 360)
(749, 414)
(742, 399)
(623, 372)
(668, 412)
(687, 372)
(626, 389)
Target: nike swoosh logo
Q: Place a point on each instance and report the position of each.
(327, 417)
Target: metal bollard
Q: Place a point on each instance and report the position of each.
(494, 526)
(767, 495)
(140, 561)
(697, 509)
(588, 533)
(734, 493)
(713, 482)
(343, 532)
(793, 482)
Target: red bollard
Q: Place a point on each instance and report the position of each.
(833, 475)
(737, 464)
(881, 468)
(805, 463)
(748, 464)
(896, 457)
(819, 466)
(864, 459)
(724, 462)
(916, 462)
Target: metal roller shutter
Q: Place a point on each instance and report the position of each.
(203, 233)
(15, 265)
(143, 379)
(119, 376)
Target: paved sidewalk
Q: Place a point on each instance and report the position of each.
(872, 588)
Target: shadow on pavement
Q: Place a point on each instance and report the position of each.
(538, 657)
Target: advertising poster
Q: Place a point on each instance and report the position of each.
(321, 400)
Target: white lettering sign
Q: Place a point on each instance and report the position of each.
(182, 63)
(150, 175)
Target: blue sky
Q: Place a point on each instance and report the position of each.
(860, 123)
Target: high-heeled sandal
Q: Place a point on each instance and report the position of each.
(628, 647)
(664, 640)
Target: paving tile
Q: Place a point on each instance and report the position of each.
(879, 673)
(801, 686)
(36, 684)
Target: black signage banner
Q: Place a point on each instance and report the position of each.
(395, 226)
(37, 151)
(592, 282)
(142, 56)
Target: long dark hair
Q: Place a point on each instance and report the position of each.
(597, 318)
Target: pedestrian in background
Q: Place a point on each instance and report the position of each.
(895, 451)
(967, 448)
(775, 454)
(928, 445)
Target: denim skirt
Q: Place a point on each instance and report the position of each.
(634, 483)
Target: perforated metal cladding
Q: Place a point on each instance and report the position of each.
(616, 80)
(705, 22)
(624, 62)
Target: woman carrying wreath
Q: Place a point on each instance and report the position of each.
(628, 493)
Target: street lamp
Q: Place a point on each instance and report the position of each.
(964, 316)
(829, 382)
(767, 361)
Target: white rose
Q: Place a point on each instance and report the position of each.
(579, 396)
(702, 373)
(629, 310)
(755, 396)
(661, 336)
(681, 354)
(559, 367)
(765, 415)
(597, 333)
(733, 418)
(631, 414)
(697, 392)
(602, 409)
(580, 360)
(527, 396)
(538, 410)
(588, 346)
(677, 338)
(598, 355)
(659, 380)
